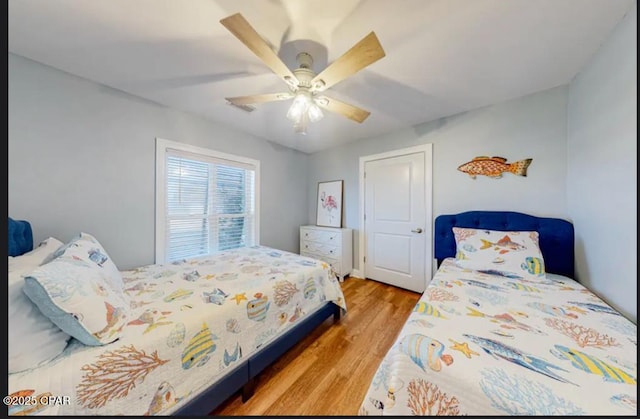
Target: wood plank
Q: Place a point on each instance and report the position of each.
(329, 371)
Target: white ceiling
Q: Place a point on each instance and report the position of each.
(442, 56)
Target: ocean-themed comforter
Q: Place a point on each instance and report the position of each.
(480, 344)
(190, 323)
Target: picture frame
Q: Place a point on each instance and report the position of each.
(329, 204)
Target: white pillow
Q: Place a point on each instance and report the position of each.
(514, 254)
(31, 260)
(33, 338)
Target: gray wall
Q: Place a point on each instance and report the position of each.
(82, 158)
(602, 168)
(533, 126)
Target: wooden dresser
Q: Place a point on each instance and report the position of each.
(329, 244)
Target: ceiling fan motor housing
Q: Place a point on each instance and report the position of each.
(304, 73)
(304, 60)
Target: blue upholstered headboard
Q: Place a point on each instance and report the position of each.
(556, 235)
(20, 237)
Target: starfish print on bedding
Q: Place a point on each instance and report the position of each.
(463, 347)
(239, 298)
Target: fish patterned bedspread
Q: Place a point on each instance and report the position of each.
(480, 344)
(190, 323)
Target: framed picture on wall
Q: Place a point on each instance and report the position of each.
(329, 212)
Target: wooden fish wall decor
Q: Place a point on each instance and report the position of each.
(494, 167)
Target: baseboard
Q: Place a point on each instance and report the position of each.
(357, 274)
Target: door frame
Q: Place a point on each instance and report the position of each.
(427, 149)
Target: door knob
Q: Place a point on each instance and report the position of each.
(417, 230)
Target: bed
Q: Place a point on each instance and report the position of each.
(179, 339)
(485, 340)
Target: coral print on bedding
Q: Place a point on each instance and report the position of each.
(485, 345)
(513, 254)
(188, 323)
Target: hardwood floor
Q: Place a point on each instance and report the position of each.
(328, 372)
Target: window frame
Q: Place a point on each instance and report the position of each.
(162, 147)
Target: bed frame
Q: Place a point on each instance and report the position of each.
(556, 235)
(244, 375)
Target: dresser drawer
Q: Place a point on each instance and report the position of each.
(320, 248)
(308, 254)
(330, 260)
(329, 251)
(321, 236)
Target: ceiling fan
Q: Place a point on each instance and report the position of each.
(305, 86)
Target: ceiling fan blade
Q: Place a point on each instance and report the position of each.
(344, 109)
(362, 54)
(249, 100)
(238, 26)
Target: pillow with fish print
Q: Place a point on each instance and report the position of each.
(512, 254)
(85, 247)
(77, 297)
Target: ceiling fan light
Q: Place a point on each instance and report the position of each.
(302, 100)
(300, 126)
(315, 113)
(300, 129)
(295, 112)
(298, 107)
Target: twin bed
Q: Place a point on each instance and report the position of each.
(187, 335)
(486, 339)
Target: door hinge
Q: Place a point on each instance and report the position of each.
(365, 217)
(365, 259)
(365, 175)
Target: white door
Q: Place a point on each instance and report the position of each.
(395, 221)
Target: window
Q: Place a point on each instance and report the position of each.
(206, 201)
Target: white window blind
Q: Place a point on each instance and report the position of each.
(210, 204)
